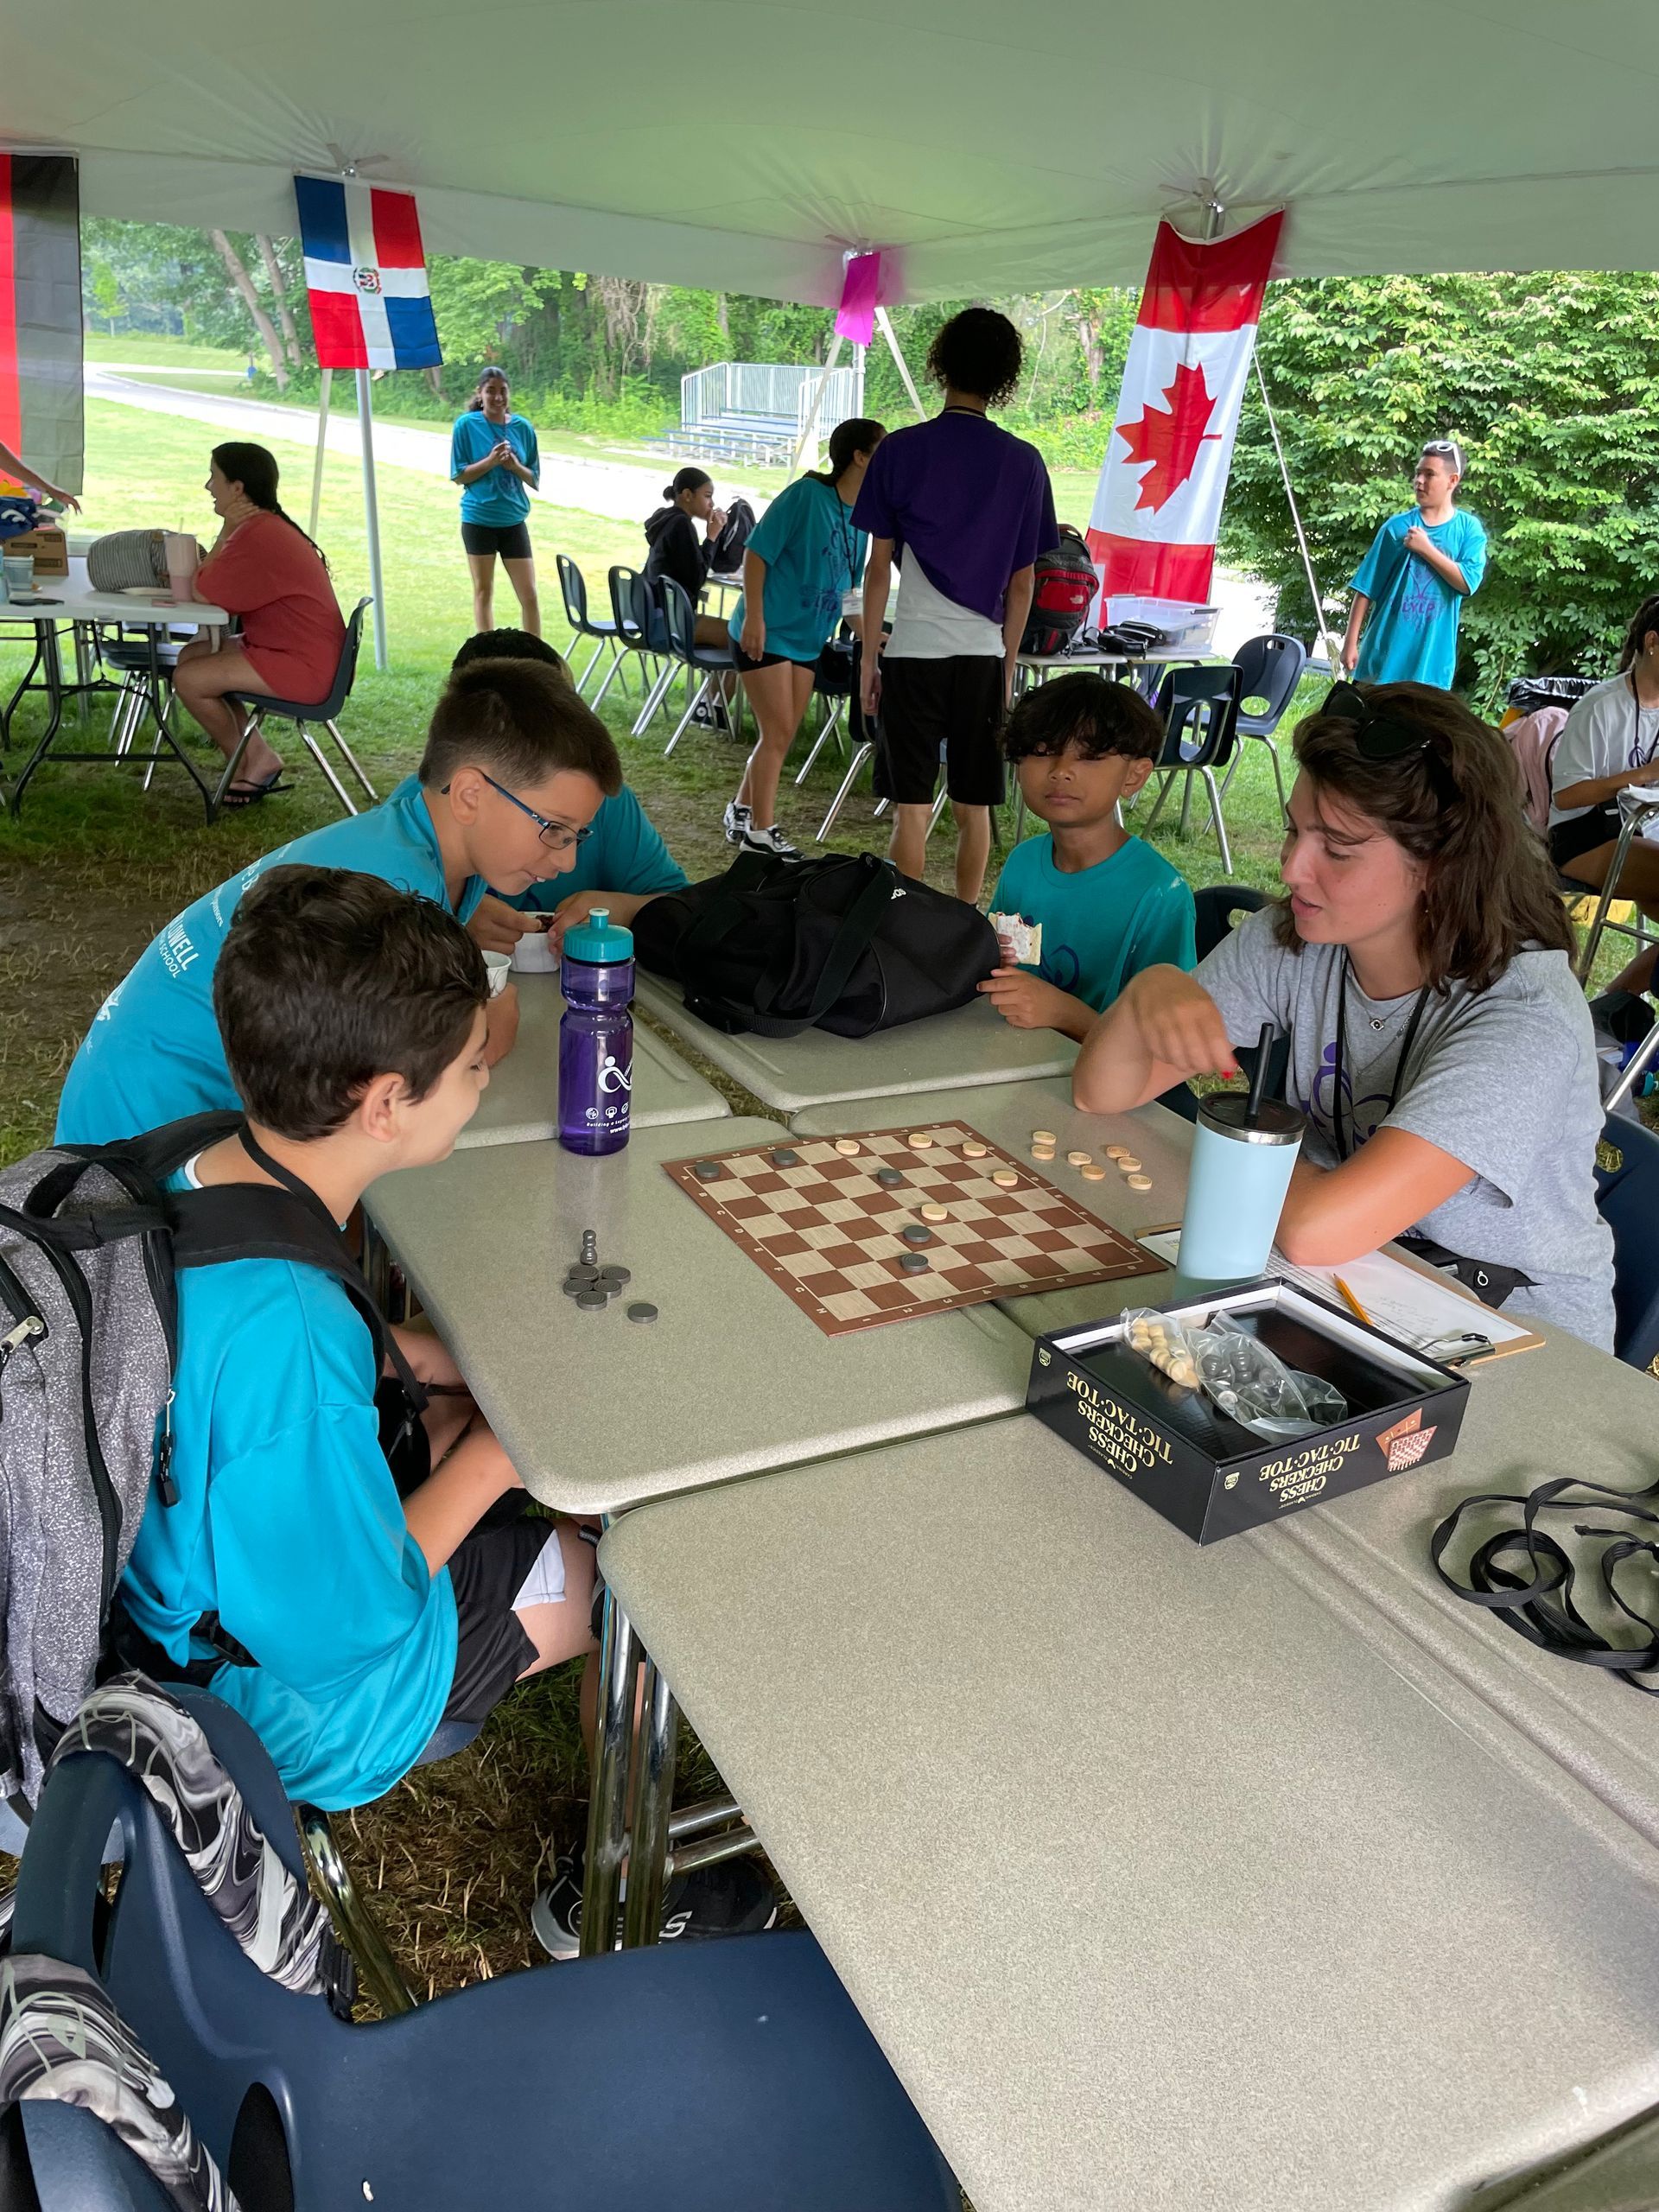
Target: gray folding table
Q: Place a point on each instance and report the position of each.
(521, 1104)
(949, 1051)
(1166, 1877)
(598, 1413)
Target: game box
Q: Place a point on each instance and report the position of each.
(1203, 1470)
(47, 547)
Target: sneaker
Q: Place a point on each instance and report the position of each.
(737, 821)
(733, 1898)
(768, 840)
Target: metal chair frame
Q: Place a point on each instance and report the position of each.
(573, 586)
(256, 709)
(706, 663)
(1636, 812)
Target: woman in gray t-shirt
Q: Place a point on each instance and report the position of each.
(1440, 1048)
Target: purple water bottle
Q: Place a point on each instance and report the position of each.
(596, 1035)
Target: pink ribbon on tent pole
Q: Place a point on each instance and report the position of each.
(856, 316)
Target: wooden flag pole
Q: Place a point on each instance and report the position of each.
(322, 435)
(371, 516)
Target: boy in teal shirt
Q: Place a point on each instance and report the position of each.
(1409, 590)
(1106, 903)
(353, 1028)
(620, 865)
(514, 769)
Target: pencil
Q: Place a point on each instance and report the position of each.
(1352, 1303)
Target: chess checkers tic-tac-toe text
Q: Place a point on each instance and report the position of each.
(829, 1224)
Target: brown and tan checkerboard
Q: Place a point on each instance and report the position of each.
(828, 1233)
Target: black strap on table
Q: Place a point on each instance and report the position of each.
(1526, 1576)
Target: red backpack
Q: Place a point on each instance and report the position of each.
(1064, 587)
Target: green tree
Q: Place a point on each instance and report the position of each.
(1549, 380)
(103, 291)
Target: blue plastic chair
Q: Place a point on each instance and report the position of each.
(730, 2077)
(1627, 1196)
(1199, 708)
(1269, 669)
(573, 586)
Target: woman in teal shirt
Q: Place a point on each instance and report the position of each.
(801, 560)
(494, 456)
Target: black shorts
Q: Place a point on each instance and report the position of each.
(487, 1570)
(768, 660)
(1569, 840)
(509, 539)
(931, 708)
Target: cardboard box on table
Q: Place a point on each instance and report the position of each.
(47, 547)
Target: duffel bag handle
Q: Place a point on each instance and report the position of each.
(852, 940)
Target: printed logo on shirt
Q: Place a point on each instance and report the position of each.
(177, 952)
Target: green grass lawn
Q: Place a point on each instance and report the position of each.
(162, 353)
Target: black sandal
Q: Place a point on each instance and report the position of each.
(242, 794)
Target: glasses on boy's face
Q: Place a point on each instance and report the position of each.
(557, 837)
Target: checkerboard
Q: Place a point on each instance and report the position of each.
(829, 1233)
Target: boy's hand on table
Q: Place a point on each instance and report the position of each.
(620, 905)
(501, 1025)
(497, 927)
(1026, 1001)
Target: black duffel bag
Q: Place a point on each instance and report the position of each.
(776, 946)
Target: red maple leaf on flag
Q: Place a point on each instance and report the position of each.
(1170, 438)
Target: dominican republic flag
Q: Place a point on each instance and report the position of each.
(366, 275)
(41, 416)
(1158, 504)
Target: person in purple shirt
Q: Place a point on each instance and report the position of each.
(967, 508)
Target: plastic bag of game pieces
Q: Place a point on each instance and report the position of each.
(1249, 1383)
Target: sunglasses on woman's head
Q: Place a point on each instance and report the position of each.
(1380, 739)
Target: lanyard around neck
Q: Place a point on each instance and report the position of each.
(1345, 1149)
(1633, 758)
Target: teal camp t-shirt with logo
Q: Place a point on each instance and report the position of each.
(1411, 632)
(814, 557)
(1101, 924)
(497, 497)
(289, 1526)
(153, 1052)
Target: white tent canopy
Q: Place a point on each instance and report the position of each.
(744, 145)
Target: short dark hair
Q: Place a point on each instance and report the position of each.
(519, 722)
(978, 351)
(328, 978)
(1099, 716)
(508, 645)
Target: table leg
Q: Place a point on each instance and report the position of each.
(45, 658)
(608, 1807)
(659, 1731)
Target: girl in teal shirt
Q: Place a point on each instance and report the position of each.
(494, 457)
(801, 560)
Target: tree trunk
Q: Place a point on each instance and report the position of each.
(279, 293)
(235, 269)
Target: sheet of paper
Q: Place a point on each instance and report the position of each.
(1417, 1308)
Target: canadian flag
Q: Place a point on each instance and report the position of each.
(1158, 504)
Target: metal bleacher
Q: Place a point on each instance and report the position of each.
(755, 411)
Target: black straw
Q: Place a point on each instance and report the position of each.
(1259, 1080)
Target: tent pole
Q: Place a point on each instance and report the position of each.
(323, 433)
(809, 426)
(903, 366)
(1333, 651)
(371, 515)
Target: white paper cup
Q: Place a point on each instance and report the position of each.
(500, 967)
(533, 954)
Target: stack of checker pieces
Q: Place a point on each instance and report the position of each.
(834, 1221)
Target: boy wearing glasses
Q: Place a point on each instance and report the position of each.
(1409, 590)
(514, 771)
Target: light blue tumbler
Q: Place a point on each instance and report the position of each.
(1240, 1170)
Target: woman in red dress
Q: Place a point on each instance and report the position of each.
(266, 570)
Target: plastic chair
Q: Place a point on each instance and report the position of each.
(1269, 669)
(584, 625)
(62, 2158)
(631, 636)
(1199, 706)
(302, 713)
(708, 662)
(832, 686)
(730, 2077)
(1627, 1197)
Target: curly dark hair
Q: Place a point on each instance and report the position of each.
(328, 978)
(978, 351)
(1100, 717)
(1455, 808)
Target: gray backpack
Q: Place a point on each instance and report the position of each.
(89, 1244)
